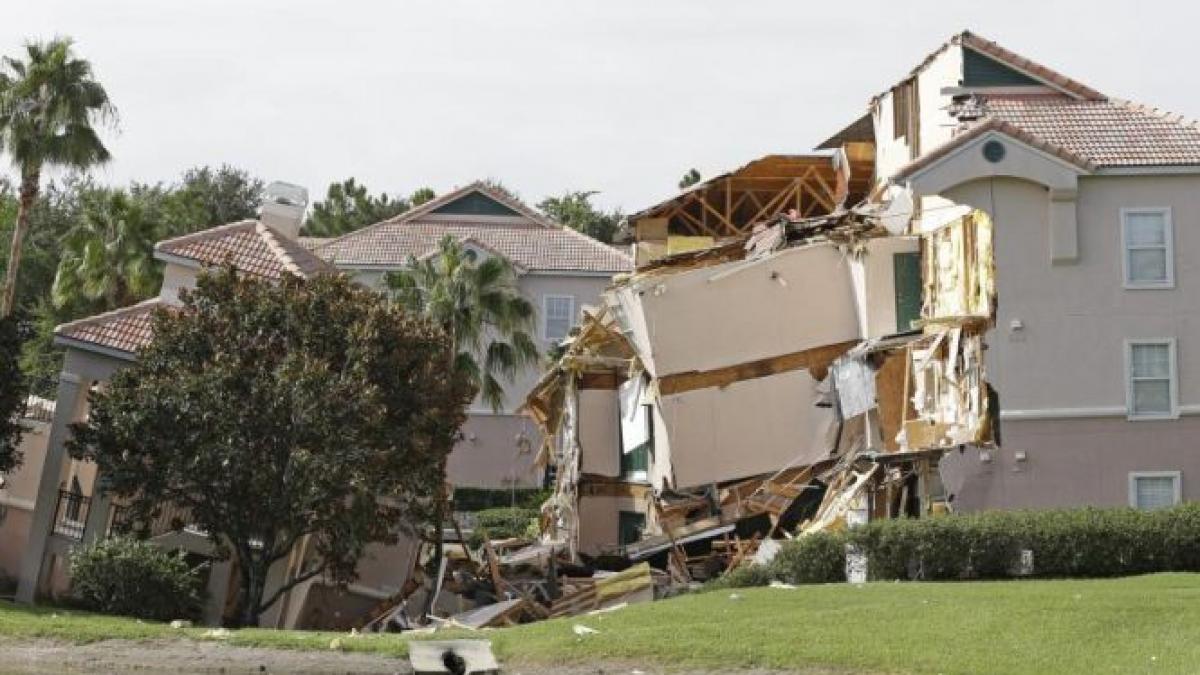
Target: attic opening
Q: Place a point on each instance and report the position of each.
(983, 71)
(475, 204)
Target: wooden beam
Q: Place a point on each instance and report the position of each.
(815, 360)
(708, 208)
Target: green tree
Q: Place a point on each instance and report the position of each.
(348, 206)
(108, 257)
(12, 396)
(206, 197)
(48, 105)
(690, 178)
(420, 196)
(478, 304)
(575, 210)
(272, 413)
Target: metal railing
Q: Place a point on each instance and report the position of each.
(171, 518)
(70, 514)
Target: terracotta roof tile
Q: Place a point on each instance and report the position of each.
(533, 247)
(1088, 134)
(249, 246)
(123, 330)
(530, 240)
(1105, 133)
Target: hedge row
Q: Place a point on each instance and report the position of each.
(478, 499)
(503, 523)
(1087, 542)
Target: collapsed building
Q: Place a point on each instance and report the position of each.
(770, 385)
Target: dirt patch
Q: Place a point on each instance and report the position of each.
(179, 657)
(187, 657)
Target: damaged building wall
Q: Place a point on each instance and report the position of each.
(1058, 358)
(747, 428)
(741, 311)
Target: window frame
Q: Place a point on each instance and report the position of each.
(546, 316)
(1176, 476)
(1168, 248)
(1172, 379)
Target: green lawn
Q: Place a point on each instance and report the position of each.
(1143, 624)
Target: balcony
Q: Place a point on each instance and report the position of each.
(70, 514)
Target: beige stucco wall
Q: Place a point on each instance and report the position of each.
(944, 70)
(599, 524)
(176, 277)
(748, 428)
(735, 313)
(492, 453)
(1067, 362)
(17, 499)
(599, 434)
(1077, 316)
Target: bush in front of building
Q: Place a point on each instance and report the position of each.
(1059, 543)
(130, 577)
(502, 523)
(818, 558)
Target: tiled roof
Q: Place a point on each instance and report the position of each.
(530, 241)
(1105, 133)
(123, 330)
(249, 246)
(311, 243)
(1088, 134)
(533, 247)
(1012, 59)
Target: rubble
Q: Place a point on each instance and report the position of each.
(724, 399)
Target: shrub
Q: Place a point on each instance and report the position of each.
(1088, 542)
(818, 558)
(743, 576)
(502, 523)
(479, 499)
(126, 576)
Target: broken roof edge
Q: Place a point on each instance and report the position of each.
(1007, 57)
(861, 130)
(816, 157)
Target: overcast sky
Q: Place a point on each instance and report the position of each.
(613, 95)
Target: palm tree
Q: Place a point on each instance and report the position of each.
(107, 257)
(48, 104)
(480, 307)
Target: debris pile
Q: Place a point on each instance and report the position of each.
(722, 399)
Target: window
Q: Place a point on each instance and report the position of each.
(1155, 489)
(630, 526)
(1150, 373)
(1148, 248)
(558, 313)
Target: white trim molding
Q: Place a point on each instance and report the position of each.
(1175, 476)
(1172, 378)
(1092, 412)
(1168, 248)
(546, 316)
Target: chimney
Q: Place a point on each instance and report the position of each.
(283, 208)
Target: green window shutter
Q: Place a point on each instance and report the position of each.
(907, 270)
(630, 525)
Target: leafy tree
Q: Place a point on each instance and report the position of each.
(108, 257)
(207, 197)
(575, 210)
(12, 396)
(420, 196)
(48, 104)
(689, 179)
(348, 206)
(477, 303)
(58, 207)
(275, 412)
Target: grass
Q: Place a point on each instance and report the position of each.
(1131, 625)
